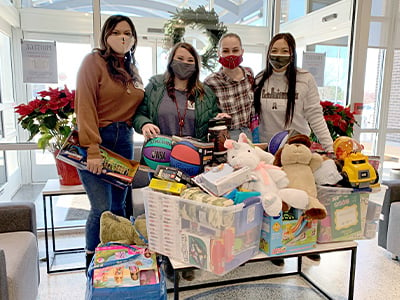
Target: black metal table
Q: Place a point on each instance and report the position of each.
(319, 249)
(54, 188)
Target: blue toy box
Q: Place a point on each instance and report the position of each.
(288, 233)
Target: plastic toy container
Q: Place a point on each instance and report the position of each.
(352, 214)
(213, 238)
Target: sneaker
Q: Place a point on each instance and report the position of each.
(314, 257)
(278, 262)
(188, 275)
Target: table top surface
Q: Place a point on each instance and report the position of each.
(319, 248)
(53, 187)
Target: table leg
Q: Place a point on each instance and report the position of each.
(52, 224)
(299, 263)
(45, 235)
(352, 272)
(176, 285)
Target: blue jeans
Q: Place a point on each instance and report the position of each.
(103, 196)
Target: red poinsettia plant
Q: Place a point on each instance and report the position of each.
(340, 120)
(51, 115)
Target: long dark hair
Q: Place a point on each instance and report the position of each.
(194, 86)
(290, 74)
(127, 71)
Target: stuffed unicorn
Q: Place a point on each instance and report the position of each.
(267, 179)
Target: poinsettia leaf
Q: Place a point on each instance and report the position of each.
(44, 140)
(33, 130)
(65, 130)
(50, 122)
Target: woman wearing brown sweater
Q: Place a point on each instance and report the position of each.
(109, 90)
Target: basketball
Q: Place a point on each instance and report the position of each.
(157, 151)
(186, 157)
(277, 141)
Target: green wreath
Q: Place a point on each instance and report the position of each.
(199, 18)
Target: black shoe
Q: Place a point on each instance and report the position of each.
(278, 262)
(188, 275)
(89, 257)
(314, 257)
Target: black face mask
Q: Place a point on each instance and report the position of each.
(279, 61)
(182, 70)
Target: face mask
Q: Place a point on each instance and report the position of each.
(121, 44)
(231, 61)
(279, 61)
(182, 70)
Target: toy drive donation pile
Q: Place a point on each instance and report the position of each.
(217, 214)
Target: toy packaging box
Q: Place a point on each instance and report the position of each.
(350, 213)
(221, 179)
(120, 271)
(289, 232)
(213, 238)
(117, 170)
(132, 266)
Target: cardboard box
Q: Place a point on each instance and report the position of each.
(213, 238)
(288, 233)
(350, 213)
(117, 170)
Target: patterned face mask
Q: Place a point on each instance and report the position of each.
(279, 61)
(231, 61)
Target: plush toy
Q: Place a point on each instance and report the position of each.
(299, 163)
(114, 228)
(328, 173)
(267, 179)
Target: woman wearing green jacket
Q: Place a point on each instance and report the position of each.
(177, 103)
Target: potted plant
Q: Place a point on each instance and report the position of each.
(340, 120)
(52, 117)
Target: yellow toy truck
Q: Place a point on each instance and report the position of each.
(358, 172)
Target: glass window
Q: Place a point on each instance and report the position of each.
(372, 86)
(248, 12)
(144, 57)
(82, 5)
(69, 58)
(295, 9)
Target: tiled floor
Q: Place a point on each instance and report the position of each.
(377, 275)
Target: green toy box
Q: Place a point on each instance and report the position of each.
(290, 232)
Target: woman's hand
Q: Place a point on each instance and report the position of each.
(150, 131)
(95, 165)
(223, 115)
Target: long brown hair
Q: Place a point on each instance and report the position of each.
(194, 86)
(290, 74)
(127, 71)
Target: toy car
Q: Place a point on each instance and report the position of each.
(358, 172)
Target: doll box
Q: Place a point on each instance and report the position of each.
(351, 214)
(120, 271)
(213, 238)
(287, 233)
